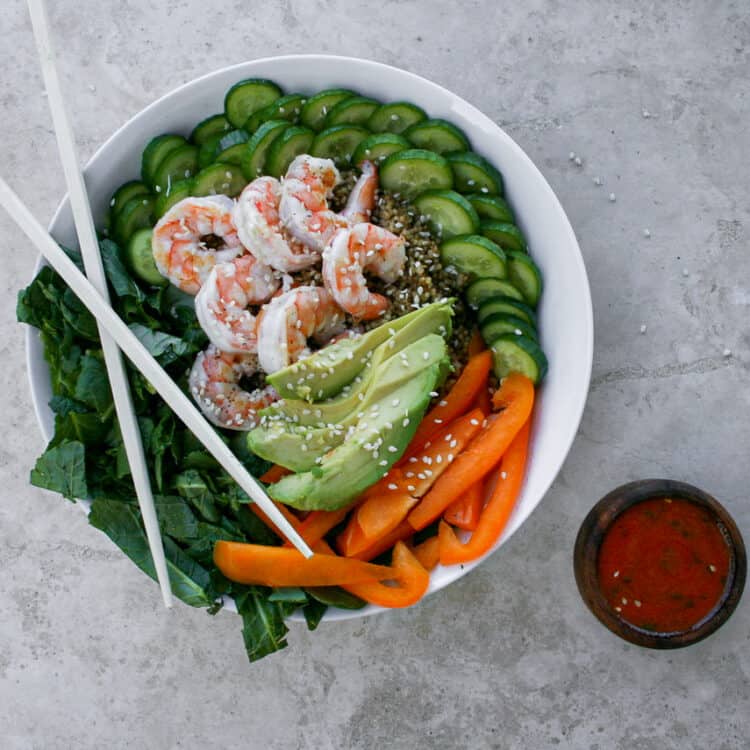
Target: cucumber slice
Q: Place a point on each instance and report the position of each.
(124, 193)
(395, 117)
(413, 171)
(499, 324)
(474, 174)
(177, 192)
(506, 306)
(475, 256)
(338, 143)
(253, 161)
(356, 110)
(219, 179)
(284, 108)
(379, 147)
(447, 212)
(491, 207)
(140, 258)
(179, 164)
(335, 596)
(249, 96)
(231, 147)
(525, 276)
(508, 236)
(136, 214)
(436, 135)
(211, 126)
(318, 106)
(156, 149)
(484, 289)
(513, 353)
(207, 151)
(295, 140)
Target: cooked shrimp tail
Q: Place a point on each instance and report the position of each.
(361, 200)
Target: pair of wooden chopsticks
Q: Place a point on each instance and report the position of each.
(114, 334)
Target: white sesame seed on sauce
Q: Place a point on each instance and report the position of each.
(450, 457)
(443, 403)
(383, 463)
(438, 459)
(421, 475)
(427, 460)
(395, 402)
(484, 190)
(448, 437)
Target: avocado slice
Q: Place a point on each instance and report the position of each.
(434, 318)
(326, 372)
(296, 447)
(374, 445)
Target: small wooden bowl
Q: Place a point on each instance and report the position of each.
(592, 532)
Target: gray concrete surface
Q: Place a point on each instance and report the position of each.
(508, 657)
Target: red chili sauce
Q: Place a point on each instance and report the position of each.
(663, 564)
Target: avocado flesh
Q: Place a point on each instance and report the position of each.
(435, 318)
(298, 447)
(360, 461)
(326, 372)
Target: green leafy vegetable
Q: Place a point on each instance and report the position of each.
(62, 469)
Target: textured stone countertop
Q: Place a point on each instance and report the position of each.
(656, 103)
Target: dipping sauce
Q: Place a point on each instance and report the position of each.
(663, 564)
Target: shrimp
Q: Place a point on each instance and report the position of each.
(289, 320)
(192, 237)
(256, 217)
(361, 200)
(304, 208)
(222, 302)
(214, 384)
(350, 252)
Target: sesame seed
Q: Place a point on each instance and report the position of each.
(643, 329)
(412, 460)
(383, 463)
(624, 600)
(615, 574)
(612, 197)
(392, 449)
(448, 437)
(392, 486)
(405, 423)
(712, 568)
(475, 422)
(395, 402)
(618, 609)
(503, 475)
(637, 602)
(438, 421)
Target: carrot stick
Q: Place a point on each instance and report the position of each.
(483, 453)
(426, 465)
(465, 511)
(402, 532)
(483, 401)
(428, 552)
(496, 513)
(275, 473)
(410, 576)
(281, 566)
(476, 344)
(454, 404)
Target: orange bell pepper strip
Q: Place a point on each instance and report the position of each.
(496, 513)
(318, 523)
(465, 511)
(484, 452)
(476, 344)
(401, 533)
(384, 485)
(375, 518)
(426, 465)
(281, 566)
(483, 401)
(408, 573)
(428, 553)
(455, 403)
(275, 473)
(293, 520)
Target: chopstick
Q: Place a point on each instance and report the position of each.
(134, 350)
(92, 262)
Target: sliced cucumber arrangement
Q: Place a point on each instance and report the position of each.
(137, 213)
(155, 151)
(317, 107)
(506, 306)
(231, 147)
(176, 192)
(247, 97)
(219, 179)
(140, 258)
(179, 164)
(356, 110)
(338, 143)
(491, 207)
(474, 256)
(379, 147)
(286, 108)
(484, 289)
(211, 126)
(498, 325)
(474, 174)
(414, 171)
(253, 160)
(447, 212)
(508, 236)
(395, 117)
(514, 353)
(525, 276)
(124, 193)
(295, 140)
(439, 136)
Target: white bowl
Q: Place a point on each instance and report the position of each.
(565, 313)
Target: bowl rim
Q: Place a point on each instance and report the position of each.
(593, 530)
(586, 331)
